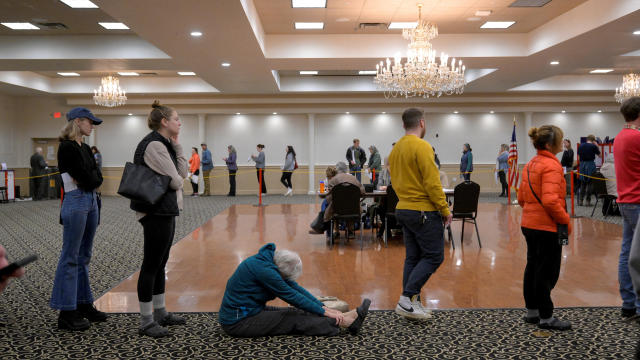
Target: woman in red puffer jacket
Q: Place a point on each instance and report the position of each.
(539, 225)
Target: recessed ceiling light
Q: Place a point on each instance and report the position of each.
(128, 73)
(225, 64)
(367, 72)
(637, 32)
(68, 74)
(492, 112)
(80, 4)
(342, 19)
(599, 110)
(384, 112)
(403, 25)
(309, 25)
(275, 113)
(130, 114)
(455, 112)
(555, 62)
(196, 33)
(237, 113)
(600, 71)
(483, 12)
(497, 24)
(114, 25)
(474, 18)
(186, 73)
(308, 3)
(21, 26)
(563, 111)
(308, 72)
(347, 113)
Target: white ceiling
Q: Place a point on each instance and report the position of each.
(256, 37)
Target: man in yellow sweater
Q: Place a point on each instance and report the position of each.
(422, 211)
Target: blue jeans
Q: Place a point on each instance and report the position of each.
(80, 220)
(355, 169)
(424, 244)
(630, 213)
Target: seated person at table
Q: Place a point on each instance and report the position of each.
(342, 177)
(269, 274)
(385, 177)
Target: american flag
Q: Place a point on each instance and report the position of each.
(513, 159)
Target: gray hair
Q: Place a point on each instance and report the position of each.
(230, 147)
(289, 264)
(39, 150)
(342, 168)
(374, 148)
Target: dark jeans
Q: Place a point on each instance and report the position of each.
(544, 254)
(283, 321)
(586, 168)
(286, 179)
(232, 182)
(466, 177)
(194, 186)
(264, 186)
(158, 236)
(424, 243)
(356, 171)
(503, 181)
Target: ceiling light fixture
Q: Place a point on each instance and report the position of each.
(402, 25)
(225, 64)
(114, 25)
(196, 33)
(20, 26)
(80, 4)
(600, 71)
(384, 112)
(483, 12)
(308, 72)
(367, 72)
(497, 24)
(128, 73)
(637, 32)
(109, 93)
(563, 111)
(308, 3)
(456, 112)
(275, 113)
(599, 111)
(555, 62)
(237, 113)
(630, 87)
(347, 113)
(68, 74)
(421, 75)
(309, 25)
(186, 73)
(130, 114)
(492, 112)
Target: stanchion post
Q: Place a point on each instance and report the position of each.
(509, 197)
(573, 213)
(374, 174)
(260, 189)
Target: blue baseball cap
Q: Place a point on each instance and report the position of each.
(81, 112)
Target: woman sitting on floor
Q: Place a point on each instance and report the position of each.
(269, 274)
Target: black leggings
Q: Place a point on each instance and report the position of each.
(264, 186)
(195, 185)
(286, 179)
(503, 181)
(158, 237)
(544, 255)
(232, 182)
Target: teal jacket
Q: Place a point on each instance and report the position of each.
(256, 281)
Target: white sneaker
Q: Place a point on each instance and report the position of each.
(416, 303)
(289, 192)
(411, 310)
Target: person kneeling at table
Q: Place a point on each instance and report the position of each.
(269, 274)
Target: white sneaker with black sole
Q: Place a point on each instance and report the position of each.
(411, 309)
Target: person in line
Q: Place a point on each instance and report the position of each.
(98, 156)
(608, 170)
(79, 215)
(422, 211)
(330, 172)
(374, 165)
(260, 166)
(38, 168)
(232, 167)
(435, 157)
(207, 166)
(567, 164)
(503, 166)
(356, 158)
(287, 170)
(194, 169)
(4, 263)
(466, 162)
(341, 177)
(160, 151)
(587, 153)
(544, 177)
(627, 154)
(382, 206)
(272, 274)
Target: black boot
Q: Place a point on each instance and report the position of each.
(91, 313)
(72, 320)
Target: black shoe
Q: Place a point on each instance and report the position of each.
(72, 320)
(362, 311)
(172, 319)
(555, 324)
(92, 314)
(531, 319)
(627, 313)
(154, 330)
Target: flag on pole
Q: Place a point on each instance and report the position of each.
(513, 160)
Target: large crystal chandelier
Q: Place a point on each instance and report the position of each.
(421, 75)
(109, 93)
(630, 87)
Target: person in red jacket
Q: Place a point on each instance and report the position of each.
(194, 169)
(539, 225)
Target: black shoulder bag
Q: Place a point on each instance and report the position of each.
(141, 183)
(563, 229)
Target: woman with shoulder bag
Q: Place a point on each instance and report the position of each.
(80, 216)
(194, 169)
(161, 152)
(545, 225)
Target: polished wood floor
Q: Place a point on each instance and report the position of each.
(470, 277)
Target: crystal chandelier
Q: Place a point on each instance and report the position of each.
(630, 87)
(109, 93)
(421, 75)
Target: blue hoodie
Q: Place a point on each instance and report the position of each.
(256, 281)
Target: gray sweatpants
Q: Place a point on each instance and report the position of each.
(634, 260)
(283, 321)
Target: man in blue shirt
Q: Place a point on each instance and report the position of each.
(269, 274)
(587, 153)
(207, 166)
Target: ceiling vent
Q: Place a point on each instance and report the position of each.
(52, 26)
(364, 26)
(529, 3)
